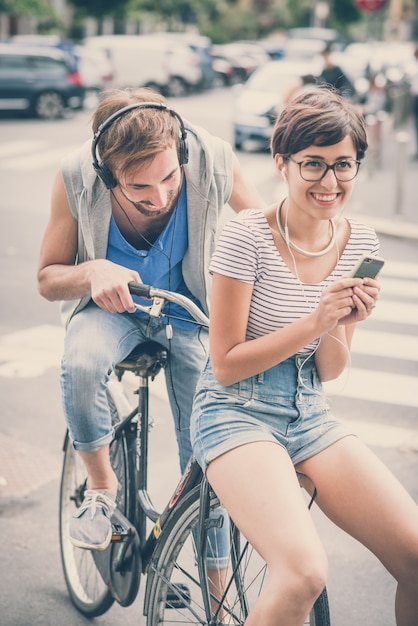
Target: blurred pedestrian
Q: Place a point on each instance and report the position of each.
(414, 94)
(334, 76)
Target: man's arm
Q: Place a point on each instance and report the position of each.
(244, 194)
(59, 278)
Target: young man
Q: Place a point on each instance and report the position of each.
(139, 203)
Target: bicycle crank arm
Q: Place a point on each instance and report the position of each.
(120, 564)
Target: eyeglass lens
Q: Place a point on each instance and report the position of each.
(314, 170)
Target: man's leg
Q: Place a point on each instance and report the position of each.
(95, 342)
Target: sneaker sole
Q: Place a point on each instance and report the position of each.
(92, 546)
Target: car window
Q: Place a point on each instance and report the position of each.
(48, 66)
(12, 62)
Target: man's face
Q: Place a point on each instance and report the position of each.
(153, 189)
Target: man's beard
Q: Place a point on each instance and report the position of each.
(142, 207)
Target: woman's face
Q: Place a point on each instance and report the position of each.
(321, 198)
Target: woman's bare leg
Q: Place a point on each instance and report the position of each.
(258, 486)
(359, 493)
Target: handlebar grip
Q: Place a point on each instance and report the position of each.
(139, 289)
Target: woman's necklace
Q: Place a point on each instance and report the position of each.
(296, 247)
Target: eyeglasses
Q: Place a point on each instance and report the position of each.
(313, 170)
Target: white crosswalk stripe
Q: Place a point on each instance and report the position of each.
(31, 156)
(398, 305)
(20, 147)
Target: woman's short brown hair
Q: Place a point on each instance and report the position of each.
(317, 117)
(139, 135)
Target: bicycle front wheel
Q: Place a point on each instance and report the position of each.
(88, 592)
(176, 595)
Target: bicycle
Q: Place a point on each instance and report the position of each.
(172, 555)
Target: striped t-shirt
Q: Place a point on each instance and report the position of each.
(246, 251)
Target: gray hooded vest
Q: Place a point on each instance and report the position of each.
(209, 177)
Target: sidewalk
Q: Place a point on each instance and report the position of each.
(386, 193)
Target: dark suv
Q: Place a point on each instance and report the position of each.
(39, 81)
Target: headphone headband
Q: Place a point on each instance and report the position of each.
(101, 168)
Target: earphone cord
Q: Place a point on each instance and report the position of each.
(149, 243)
(168, 326)
(311, 354)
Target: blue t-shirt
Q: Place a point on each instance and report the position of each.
(161, 265)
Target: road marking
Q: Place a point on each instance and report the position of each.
(401, 269)
(365, 384)
(39, 160)
(21, 146)
(389, 345)
(395, 311)
(31, 352)
(384, 436)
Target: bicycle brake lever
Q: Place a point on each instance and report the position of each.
(155, 309)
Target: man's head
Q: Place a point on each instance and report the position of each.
(130, 128)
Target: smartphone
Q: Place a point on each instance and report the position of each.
(368, 266)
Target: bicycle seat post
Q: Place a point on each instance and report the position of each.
(145, 361)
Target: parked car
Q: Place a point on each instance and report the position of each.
(261, 98)
(50, 41)
(39, 81)
(95, 68)
(326, 35)
(183, 63)
(224, 72)
(136, 61)
(238, 56)
(199, 45)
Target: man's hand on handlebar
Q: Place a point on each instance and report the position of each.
(109, 286)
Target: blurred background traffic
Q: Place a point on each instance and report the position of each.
(59, 55)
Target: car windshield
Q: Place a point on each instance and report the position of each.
(273, 79)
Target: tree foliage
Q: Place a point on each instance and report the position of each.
(102, 8)
(344, 13)
(26, 7)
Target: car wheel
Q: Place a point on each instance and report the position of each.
(49, 106)
(237, 143)
(177, 88)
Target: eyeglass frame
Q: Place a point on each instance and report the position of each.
(327, 168)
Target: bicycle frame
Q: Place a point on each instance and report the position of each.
(146, 362)
(180, 535)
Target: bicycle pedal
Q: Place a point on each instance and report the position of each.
(122, 529)
(120, 533)
(178, 597)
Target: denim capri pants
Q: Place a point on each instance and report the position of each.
(285, 404)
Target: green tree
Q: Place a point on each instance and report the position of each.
(26, 7)
(344, 13)
(102, 8)
(42, 10)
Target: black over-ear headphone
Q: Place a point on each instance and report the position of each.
(101, 168)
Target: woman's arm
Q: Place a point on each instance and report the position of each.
(234, 359)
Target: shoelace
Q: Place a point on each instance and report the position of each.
(94, 499)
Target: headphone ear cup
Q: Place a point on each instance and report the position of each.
(105, 174)
(183, 151)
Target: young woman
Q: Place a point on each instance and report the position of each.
(283, 312)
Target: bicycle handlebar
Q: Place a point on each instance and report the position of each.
(160, 297)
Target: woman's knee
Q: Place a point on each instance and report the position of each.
(304, 576)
